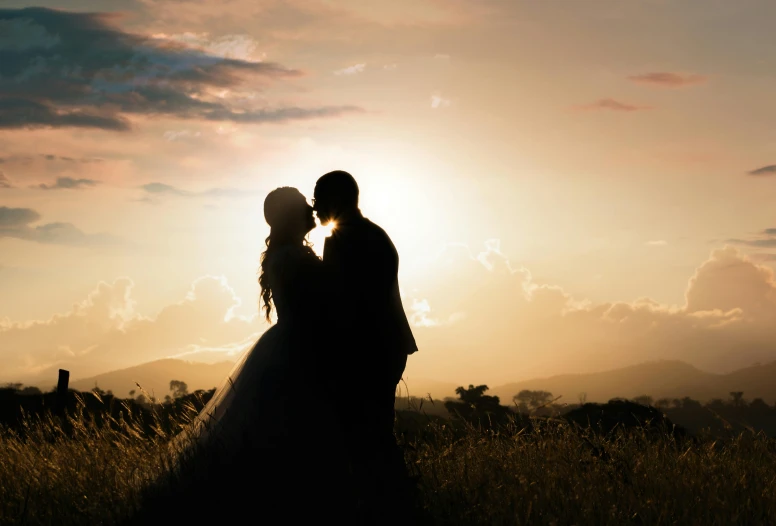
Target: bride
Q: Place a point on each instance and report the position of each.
(262, 445)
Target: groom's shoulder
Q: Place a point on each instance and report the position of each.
(376, 232)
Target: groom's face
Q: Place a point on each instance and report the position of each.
(322, 208)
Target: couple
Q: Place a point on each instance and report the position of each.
(308, 413)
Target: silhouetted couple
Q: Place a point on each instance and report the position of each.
(306, 417)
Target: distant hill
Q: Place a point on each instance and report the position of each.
(155, 377)
(660, 379)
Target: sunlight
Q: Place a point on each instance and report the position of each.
(318, 235)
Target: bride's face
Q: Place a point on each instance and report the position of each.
(302, 219)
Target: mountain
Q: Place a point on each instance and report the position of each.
(154, 377)
(660, 379)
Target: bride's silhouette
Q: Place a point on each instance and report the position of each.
(266, 438)
(262, 444)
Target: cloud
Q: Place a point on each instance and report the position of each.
(351, 70)
(390, 67)
(171, 135)
(162, 189)
(80, 70)
(437, 101)
(68, 183)
(5, 182)
(104, 331)
(611, 105)
(765, 239)
(533, 330)
(496, 324)
(26, 159)
(668, 79)
(15, 223)
(442, 56)
(657, 243)
(765, 170)
(236, 46)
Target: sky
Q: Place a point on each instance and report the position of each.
(571, 185)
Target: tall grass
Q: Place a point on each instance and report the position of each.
(78, 472)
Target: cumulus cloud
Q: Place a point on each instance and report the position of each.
(667, 79)
(531, 329)
(16, 223)
(68, 183)
(105, 332)
(351, 70)
(765, 170)
(78, 69)
(611, 105)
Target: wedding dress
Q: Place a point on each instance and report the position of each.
(262, 442)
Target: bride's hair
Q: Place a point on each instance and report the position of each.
(279, 207)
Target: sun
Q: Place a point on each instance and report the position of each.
(318, 236)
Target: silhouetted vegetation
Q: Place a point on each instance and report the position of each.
(485, 463)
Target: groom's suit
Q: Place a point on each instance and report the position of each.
(368, 353)
(362, 265)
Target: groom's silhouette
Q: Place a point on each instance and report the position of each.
(370, 341)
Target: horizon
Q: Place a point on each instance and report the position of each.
(567, 195)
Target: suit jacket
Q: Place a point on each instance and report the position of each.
(372, 330)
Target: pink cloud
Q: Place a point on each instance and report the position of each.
(666, 79)
(611, 105)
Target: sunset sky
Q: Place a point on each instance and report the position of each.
(572, 185)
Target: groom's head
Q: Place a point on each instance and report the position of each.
(336, 194)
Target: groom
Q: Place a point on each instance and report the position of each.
(371, 342)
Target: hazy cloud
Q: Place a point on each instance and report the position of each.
(611, 105)
(765, 239)
(351, 70)
(657, 243)
(437, 101)
(15, 222)
(68, 183)
(161, 189)
(5, 182)
(765, 170)
(668, 80)
(80, 70)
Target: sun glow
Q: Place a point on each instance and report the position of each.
(318, 236)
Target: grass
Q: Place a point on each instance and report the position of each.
(78, 472)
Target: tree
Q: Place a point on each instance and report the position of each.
(180, 389)
(533, 400)
(737, 397)
(663, 403)
(758, 404)
(582, 398)
(474, 405)
(644, 400)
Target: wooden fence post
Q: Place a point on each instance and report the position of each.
(64, 378)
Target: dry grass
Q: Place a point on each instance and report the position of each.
(84, 474)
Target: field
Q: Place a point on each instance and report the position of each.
(79, 471)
